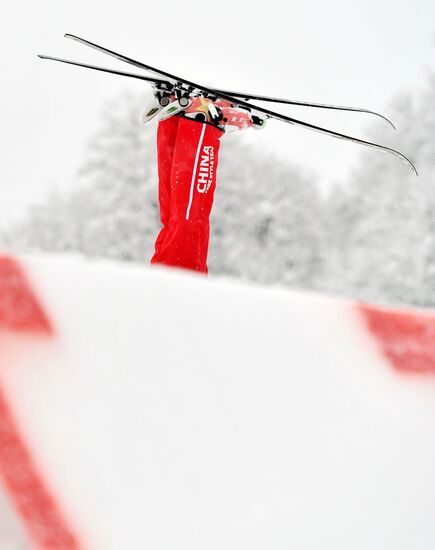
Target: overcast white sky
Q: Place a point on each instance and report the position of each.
(334, 52)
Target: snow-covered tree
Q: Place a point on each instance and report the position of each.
(384, 217)
(113, 210)
(373, 238)
(266, 222)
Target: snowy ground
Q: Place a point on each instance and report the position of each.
(166, 410)
(12, 536)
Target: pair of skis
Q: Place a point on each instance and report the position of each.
(168, 83)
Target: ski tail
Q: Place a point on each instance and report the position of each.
(153, 80)
(112, 53)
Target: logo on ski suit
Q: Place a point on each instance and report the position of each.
(206, 169)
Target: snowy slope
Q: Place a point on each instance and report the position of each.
(164, 410)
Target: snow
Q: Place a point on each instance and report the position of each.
(174, 411)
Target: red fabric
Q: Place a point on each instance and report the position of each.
(19, 309)
(407, 338)
(187, 162)
(21, 313)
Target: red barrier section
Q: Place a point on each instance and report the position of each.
(406, 338)
(21, 312)
(19, 309)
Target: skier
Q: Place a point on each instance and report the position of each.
(188, 140)
(190, 127)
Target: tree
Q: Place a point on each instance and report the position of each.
(384, 233)
(266, 223)
(113, 211)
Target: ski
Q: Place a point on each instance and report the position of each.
(153, 80)
(306, 104)
(188, 87)
(226, 92)
(166, 85)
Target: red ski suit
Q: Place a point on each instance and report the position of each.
(187, 152)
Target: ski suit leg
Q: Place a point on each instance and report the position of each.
(166, 137)
(193, 182)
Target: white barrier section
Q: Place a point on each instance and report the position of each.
(153, 409)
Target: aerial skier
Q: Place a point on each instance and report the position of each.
(193, 118)
(188, 140)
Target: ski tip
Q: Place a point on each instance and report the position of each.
(391, 124)
(410, 165)
(387, 120)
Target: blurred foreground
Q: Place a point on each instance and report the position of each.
(151, 408)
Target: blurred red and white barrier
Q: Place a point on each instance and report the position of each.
(22, 314)
(146, 408)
